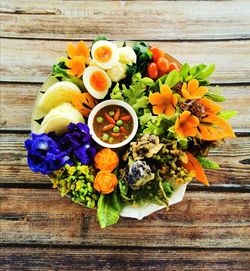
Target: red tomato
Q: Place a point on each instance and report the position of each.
(152, 70)
(162, 64)
(173, 66)
(157, 52)
(160, 74)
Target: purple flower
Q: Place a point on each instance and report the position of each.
(44, 154)
(78, 141)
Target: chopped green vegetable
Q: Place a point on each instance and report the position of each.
(119, 123)
(105, 137)
(99, 119)
(111, 113)
(116, 129)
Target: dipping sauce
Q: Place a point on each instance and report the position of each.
(113, 124)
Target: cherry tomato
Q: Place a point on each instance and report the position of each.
(162, 64)
(160, 74)
(173, 66)
(157, 52)
(152, 70)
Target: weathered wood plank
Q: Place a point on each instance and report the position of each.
(25, 258)
(30, 216)
(17, 101)
(233, 157)
(147, 20)
(36, 58)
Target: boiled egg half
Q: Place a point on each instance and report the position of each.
(96, 81)
(105, 54)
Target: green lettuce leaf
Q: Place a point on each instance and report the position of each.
(172, 78)
(108, 209)
(208, 164)
(227, 114)
(117, 93)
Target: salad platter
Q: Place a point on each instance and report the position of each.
(123, 127)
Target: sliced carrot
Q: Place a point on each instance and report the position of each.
(117, 114)
(109, 119)
(123, 130)
(193, 164)
(108, 127)
(127, 117)
(115, 134)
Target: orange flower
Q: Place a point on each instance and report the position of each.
(105, 182)
(186, 124)
(76, 66)
(191, 90)
(213, 128)
(163, 102)
(84, 102)
(193, 164)
(81, 49)
(106, 159)
(209, 106)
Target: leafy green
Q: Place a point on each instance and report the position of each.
(172, 78)
(98, 38)
(208, 164)
(117, 93)
(108, 209)
(144, 57)
(59, 71)
(156, 125)
(215, 95)
(135, 94)
(227, 114)
(200, 72)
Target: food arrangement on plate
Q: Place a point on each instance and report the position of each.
(123, 127)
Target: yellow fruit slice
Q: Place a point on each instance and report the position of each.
(59, 118)
(57, 94)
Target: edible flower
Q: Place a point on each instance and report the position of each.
(83, 102)
(81, 49)
(194, 165)
(213, 128)
(163, 102)
(186, 124)
(106, 159)
(78, 141)
(76, 66)
(44, 154)
(192, 90)
(105, 182)
(78, 56)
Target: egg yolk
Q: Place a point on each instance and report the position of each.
(103, 54)
(98, 81)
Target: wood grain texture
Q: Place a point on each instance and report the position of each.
(36, 58)
(144, 20)
(232, 156)
(12, 258)
(17, 101)
(30, 216)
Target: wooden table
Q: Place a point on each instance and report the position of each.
(209, 230)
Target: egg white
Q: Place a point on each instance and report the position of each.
(86, 81)
(115, 54)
